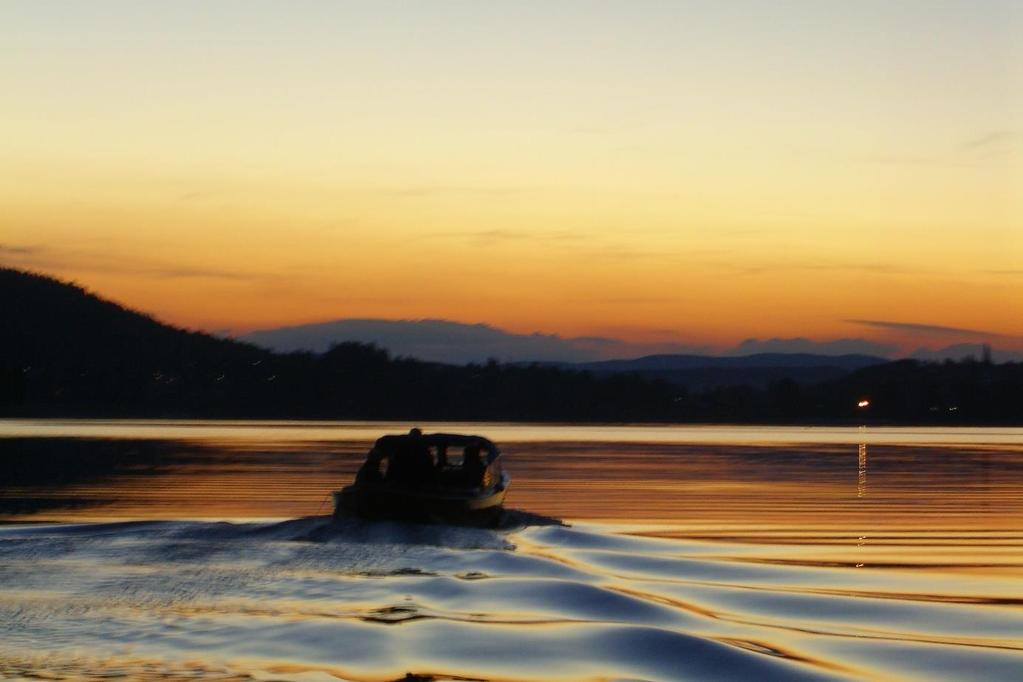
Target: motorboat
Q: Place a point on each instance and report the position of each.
(443, 477)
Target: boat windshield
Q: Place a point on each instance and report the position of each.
(444, 460)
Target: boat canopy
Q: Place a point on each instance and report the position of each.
(389, 445)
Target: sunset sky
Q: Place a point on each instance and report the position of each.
(660, 172)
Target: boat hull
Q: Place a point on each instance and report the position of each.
(385, 502)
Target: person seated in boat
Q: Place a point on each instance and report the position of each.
(472, 467)
(411, 463)
(420, 458)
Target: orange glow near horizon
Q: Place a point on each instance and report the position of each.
(653, 174)
(198, 268)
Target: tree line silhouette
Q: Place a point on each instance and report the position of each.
(66, 352)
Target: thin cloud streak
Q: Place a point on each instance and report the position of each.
(990, 139)
(1008, 273)
(857, 346)
(503, 235)
(19, 250)
(50, 259)
(415, 191)
(951, 157)
(870, 268)
(924, 328)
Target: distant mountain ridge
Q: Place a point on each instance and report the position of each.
(698, 372)
(460, 343)
(756, 360)
(66, 352)
(431, 340)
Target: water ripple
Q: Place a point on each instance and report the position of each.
(377, 600)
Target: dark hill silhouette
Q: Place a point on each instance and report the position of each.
(77, 350)
(67, 352)
(967, 391)
(51, 321)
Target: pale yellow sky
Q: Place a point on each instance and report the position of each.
(722, 172)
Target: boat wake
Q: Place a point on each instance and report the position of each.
(319, 598)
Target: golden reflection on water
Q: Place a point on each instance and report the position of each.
(861, 478)
(704, 488)
(365, 431)
(950, 508)
(780, 550)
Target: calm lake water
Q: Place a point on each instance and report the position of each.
(203, 549)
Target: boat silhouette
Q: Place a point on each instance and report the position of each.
(440, 477)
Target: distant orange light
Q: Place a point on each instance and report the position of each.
(863, 403)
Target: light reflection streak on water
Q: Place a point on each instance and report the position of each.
(861, 473)
(738, 560)
(365, 431)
